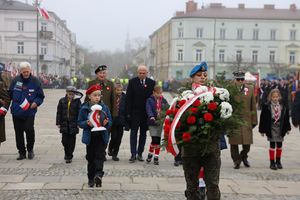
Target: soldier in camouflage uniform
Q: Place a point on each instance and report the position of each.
(193, 158)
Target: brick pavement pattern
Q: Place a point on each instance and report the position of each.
(48, 177)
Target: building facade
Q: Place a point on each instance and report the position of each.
(263, 40)
(18, 40)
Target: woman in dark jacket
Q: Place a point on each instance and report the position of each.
(275, 124)
(66, 120)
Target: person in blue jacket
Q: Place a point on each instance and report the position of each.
(96, 141)
(27, 95)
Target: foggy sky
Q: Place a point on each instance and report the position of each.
(103, 24)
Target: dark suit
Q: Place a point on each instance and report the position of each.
(136, 96)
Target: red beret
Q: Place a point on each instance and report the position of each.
(93, 88)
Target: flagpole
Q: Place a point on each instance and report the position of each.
(37, 38)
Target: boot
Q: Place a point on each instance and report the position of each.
(149, 158)
(155, 160)
(278, 163)
(273, 165)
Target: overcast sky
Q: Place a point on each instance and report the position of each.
(103, 24)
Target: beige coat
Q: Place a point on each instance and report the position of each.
(244, 133)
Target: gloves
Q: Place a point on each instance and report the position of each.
(3, 111)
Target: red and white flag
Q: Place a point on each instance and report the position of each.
(44, 13)
(25, 104)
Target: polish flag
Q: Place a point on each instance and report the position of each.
(3, 111)
(25, 104)
(44, 13)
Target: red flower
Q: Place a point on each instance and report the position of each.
(193, 110)
(208, 117)
(212, 106)
(197, 103)
(178, 124)
(167, 122)
(186, 137)
(191, 120)
(181, 102)
(175, 111)
(167, 128)
(168, 112)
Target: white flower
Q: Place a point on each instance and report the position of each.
(200, 90)
(206, 97)
(187, 94)
(223, 93)
(226, 110)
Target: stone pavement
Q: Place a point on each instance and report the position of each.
(48, 177)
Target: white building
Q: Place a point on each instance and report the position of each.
(265, 40)
(18, 39)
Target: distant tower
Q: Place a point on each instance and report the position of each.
(127, 43)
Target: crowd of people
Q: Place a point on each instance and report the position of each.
(106, 111)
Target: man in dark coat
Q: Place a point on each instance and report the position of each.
(26, 94)
(138, 90)
(296, 110)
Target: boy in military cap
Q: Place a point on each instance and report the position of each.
(244, 134)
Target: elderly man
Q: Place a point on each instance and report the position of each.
(138, 90)
(26, 94)
(245, 134)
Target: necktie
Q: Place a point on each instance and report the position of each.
(143, 82)
(118, 103)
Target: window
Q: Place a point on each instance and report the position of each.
(238, 56)
(293, 35)
(222, 33)
(180, 32)
(199, 33)
(240, 34)
(292, 57)
(180, 55)
(43, 48)
(272, 57)
(43, 26)
(21, 26)
(20, 47)
(198, 55)
(273, 34)
(255, 34)
(222, 55)
(254, 56)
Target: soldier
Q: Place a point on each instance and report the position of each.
(244, 134)
(193, 159)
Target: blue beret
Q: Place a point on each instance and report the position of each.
(202, 67)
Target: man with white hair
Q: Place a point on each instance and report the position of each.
(27, 94)
(138, 90)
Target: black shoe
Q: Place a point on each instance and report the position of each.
(273, 165)
(246, 163)
(149, 158)
(21, 157)
(98, 181)
(115, 158)
(30, 155)
(176, 163)
(237, 165)
(132, 159)
(68, 161)
(155, 160)
(278, 163)
(140, 158)
(91, 183)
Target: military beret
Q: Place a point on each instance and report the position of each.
(202, 67)
(93, 88)
(100, 68)
(238, 74)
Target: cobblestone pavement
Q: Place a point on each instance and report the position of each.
(48, 177)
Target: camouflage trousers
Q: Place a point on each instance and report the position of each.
(191, 167)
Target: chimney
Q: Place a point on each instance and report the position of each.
(241, 6)
(293, 7)
(191, 6)
(269, 6)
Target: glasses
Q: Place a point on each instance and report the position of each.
(240, 79)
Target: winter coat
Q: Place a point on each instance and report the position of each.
(296, 109)
(119, 115)
(265, 123)
(68, 121)
(151, 108)
(244, 134)
(21, 89)
(5, 97)
(83, 119)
